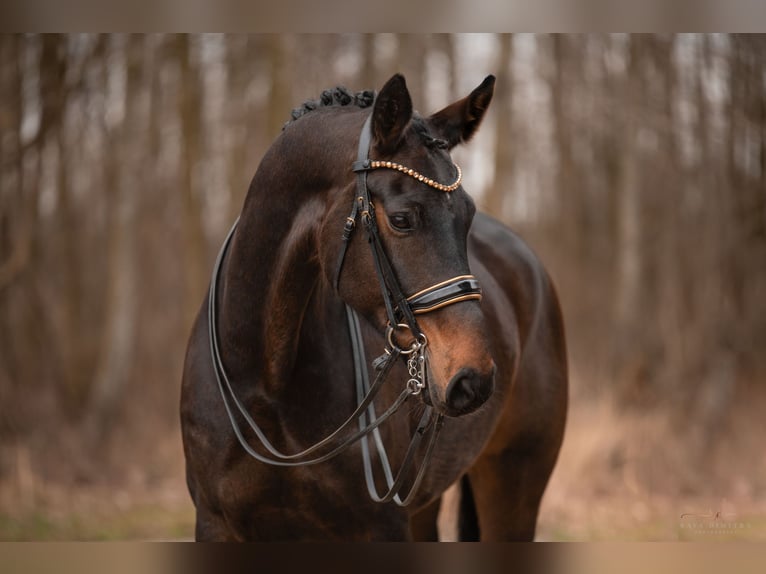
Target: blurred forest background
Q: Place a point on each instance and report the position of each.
(634, 165)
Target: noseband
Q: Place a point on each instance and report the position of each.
(401, 311)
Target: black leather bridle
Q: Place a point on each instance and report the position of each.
(401, 311)
(399, 308)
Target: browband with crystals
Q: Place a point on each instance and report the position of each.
(375, 164)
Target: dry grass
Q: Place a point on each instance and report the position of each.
(646, 476)
(137, 503)
(620, 476)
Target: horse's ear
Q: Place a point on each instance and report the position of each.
(391, 114)
(459, 121)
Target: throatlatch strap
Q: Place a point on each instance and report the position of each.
(361, 168)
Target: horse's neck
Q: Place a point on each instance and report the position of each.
(272, 275)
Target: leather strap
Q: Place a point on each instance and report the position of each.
(393, 296)
(424, 426)
(360, 167)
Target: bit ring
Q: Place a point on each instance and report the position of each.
(419, 342)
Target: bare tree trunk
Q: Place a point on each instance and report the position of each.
(751, 254)
(11, 184)
(239, 70)
(67, 228)
(51, 98)
(682, 263)
(194, 244)
(279, 95)
(368, 70)
(497, 193)
(736, 201)
(15, 232)
(446, 43)
(248, 61)
(410, 59)
(124, 179)
(568, 183)
(32, 333)
(761, 204)
(661, 207)
(236, 85)
(629, 358)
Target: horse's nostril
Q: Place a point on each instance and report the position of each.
(467, 391)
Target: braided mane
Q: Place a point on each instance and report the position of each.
(338, 96)
(341, 96)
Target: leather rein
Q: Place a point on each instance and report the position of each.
(401, 311)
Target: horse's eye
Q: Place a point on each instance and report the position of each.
(400, 221)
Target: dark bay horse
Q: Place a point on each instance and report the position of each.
(303, 289)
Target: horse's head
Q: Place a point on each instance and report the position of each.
(423, 224)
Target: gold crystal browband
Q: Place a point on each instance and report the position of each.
(374, 164)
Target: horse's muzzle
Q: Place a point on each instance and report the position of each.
(468, 390)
